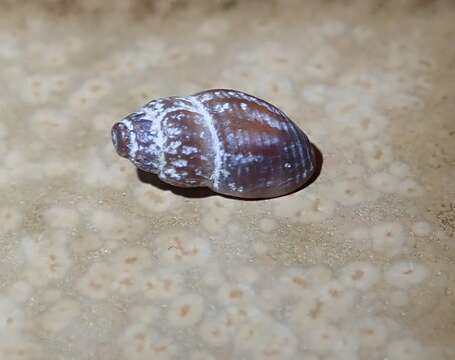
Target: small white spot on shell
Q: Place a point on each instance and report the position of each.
(180, 163)
(173, 146)
(172, 173)
(187, 150)
(173, 131)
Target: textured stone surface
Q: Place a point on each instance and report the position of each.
(97, 263)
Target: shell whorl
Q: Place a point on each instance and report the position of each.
(230, 141)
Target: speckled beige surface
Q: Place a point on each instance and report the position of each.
(96, 264)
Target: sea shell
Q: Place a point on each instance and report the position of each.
(232, 142)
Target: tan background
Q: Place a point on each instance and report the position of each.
(96, 264)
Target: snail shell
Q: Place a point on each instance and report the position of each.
(227, 140)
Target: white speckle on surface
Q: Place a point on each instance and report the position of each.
(173, 131)
(405, 349)
(324, 339)
(201, 355)
(388, 238)
(399, 298)
(361, 238)
(10, 219)
(404, 274)
(217, 214)
(421, 228)
(20, 291)
(153, 199)
(306, 208)
(180, 163)
(267, 224)
(409, 187)
(11, 316)
(350, 192)
(400, 169)
(188, 150)
(172, 147)
(384, 182)
(60, 315)
(3, 131)
(60, 217)
(171, 173)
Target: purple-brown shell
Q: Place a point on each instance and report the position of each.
(227, 140)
